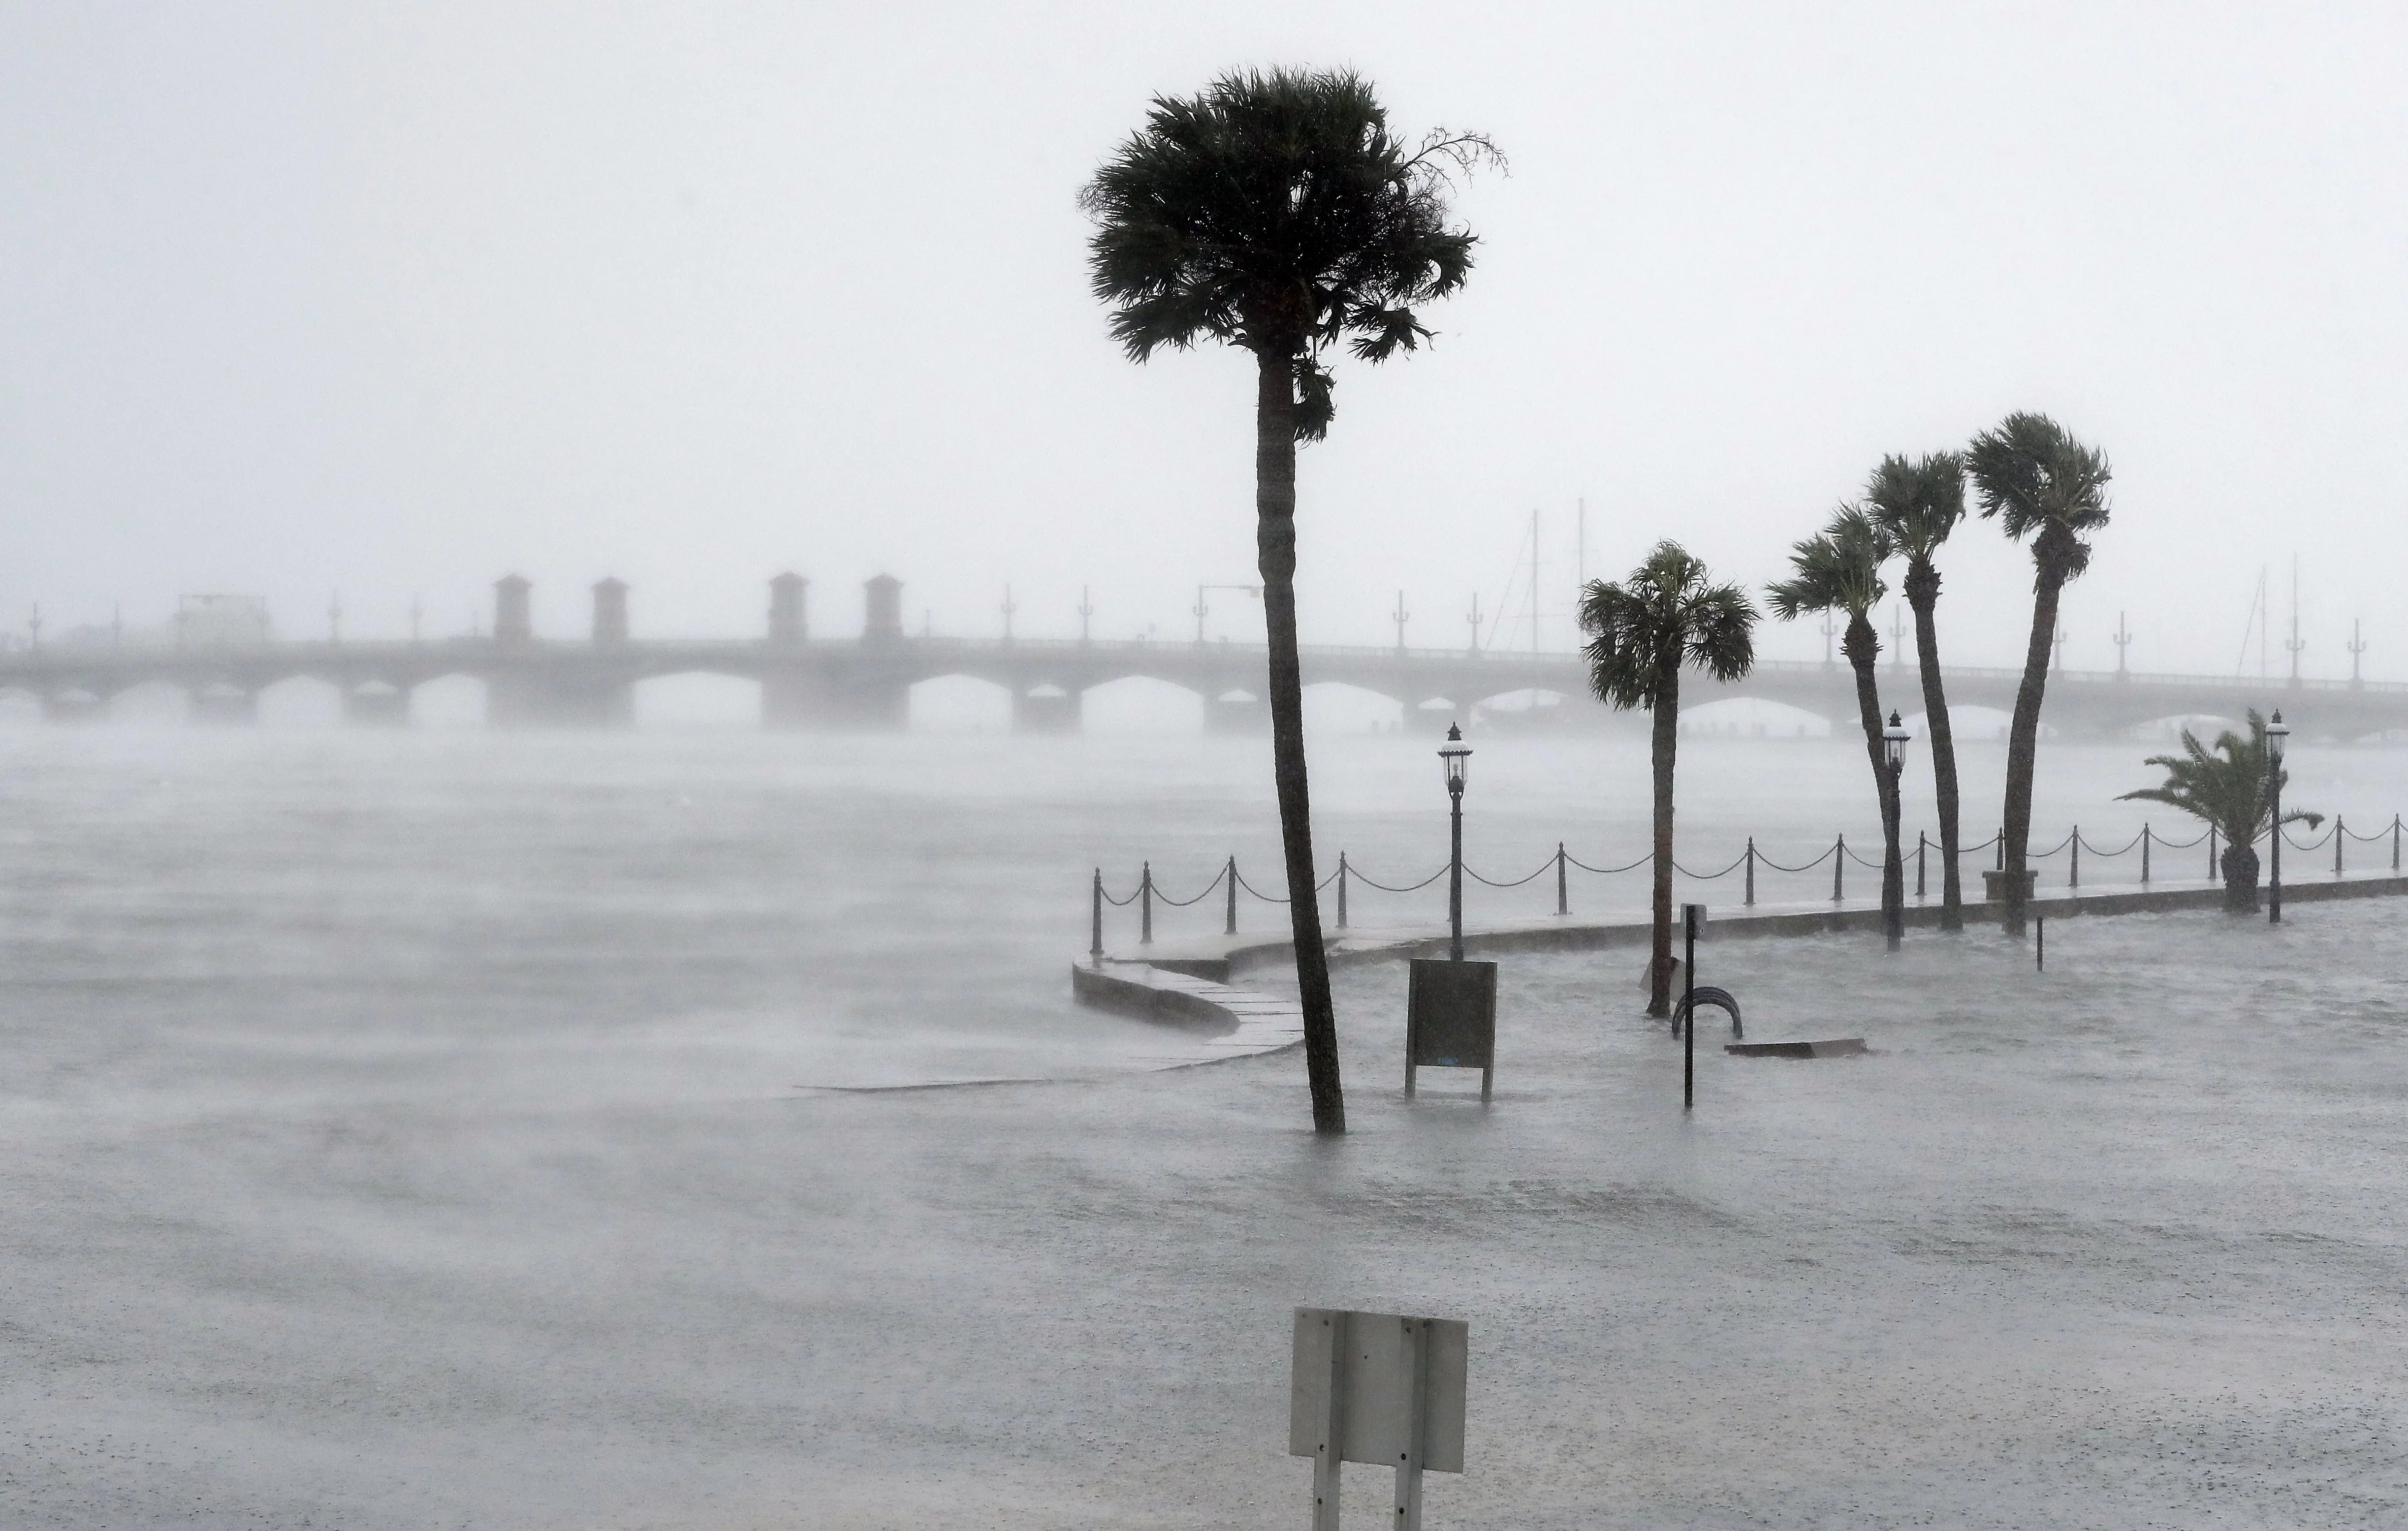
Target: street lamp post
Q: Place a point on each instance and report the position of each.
(2277, 734)
(1894, 739)
(1201, 610)
(1454, 754)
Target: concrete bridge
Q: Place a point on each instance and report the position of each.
(865, 681)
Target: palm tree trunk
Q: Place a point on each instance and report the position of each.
(2023, 734)
(1862, 646)
(1664, 715)
(1923, 594)
(1275, 554)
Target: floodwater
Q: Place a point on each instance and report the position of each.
(463, 1129)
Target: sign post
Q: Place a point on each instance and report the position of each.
(1692, 916)
(1376, 1388)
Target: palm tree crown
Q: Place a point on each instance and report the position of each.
(2035, 477)
(1666, 615)
(2227, 787)
(1277, 211)
(1838, 568)
(1918, 501)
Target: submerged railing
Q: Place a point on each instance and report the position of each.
(1229, 882)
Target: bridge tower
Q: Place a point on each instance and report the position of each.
(789, 622)
(513, 610)
(881, 598)
(610, 610)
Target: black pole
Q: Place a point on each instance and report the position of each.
(1095, 941)
(2274, 890)
(1838, 865)
(1893, 875)
(1563, 893)
(2039, 943)
(2337, 840)
(1751, 867)
(1689, 1003)
(1922, 843)
(1230, 872)
(1145, 906)
(2075, 881)
(1341, 890)
(1454, 884)
(2144, 855)
(2211, 853)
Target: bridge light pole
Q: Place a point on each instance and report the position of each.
(2061, 636)
(1400, 617)
(1010, 606)
(1474, 621)
(1454, 754)
(2277, 734)
(2357, 646)
(1830, 629)
(2123, 641)
(1894, 739)
(1202, 611)
(1086, 610)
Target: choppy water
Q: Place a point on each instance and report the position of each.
(406, 1131)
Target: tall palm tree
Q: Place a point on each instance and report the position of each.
(1276, 211)
(1838, 569)
(2230, 790)
(2040, 482)
(1918, 502)
(1666, 615)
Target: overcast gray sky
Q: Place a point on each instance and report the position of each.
(299, 299)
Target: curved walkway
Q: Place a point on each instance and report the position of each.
(1191, 983)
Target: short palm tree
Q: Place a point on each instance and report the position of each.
(1839, 570)
(1918, 502)
(2230, 790)
(1277, 212)
(1668, 614)
(2039, 482)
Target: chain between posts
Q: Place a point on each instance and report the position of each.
(1229, 881)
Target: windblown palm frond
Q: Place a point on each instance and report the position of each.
(1667, 614)
(1838, 568)
(1918, 501)
(2031, 474)
(2226, 787)
(1279, 213)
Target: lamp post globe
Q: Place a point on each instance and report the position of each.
(1894, 739)
(1453, 754)
(2278, 733)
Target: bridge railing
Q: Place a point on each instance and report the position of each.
(1920, 859)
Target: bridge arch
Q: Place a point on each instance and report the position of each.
(697, 697)
(958, 702)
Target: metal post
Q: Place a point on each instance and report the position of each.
(2337, 838)
(1689, 1000)
(1145, 906)
(2144, 855)
(2001, 843)
(1922, 843)
(2039, 943)
(1838, 865)
(1563, 892)
(2274, 883)
(2395, 842)
(1454, 883)
(1326, 1462)
(1751, 872)
(2211, 853)
(1096, 942)
(2075, 881)
(1409, 1468)
(1230, 872)
(1341, 890)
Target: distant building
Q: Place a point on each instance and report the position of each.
(221, 622)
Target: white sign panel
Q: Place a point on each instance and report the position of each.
(1373, 1382)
